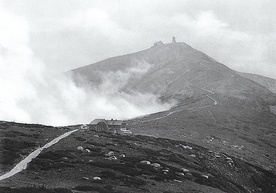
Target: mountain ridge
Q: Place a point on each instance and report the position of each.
(269, 83)
(215, 103)
(170, 61)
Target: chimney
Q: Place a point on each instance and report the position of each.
(173, 40)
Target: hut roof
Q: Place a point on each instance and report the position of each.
(96, 121)
(112, 122)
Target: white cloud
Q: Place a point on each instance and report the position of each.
(30, 94)
(36, 38)
(207, 26)
(16, 64)
(97, 21)
(242, 51)
(68, 35)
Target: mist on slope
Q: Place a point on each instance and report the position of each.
(29, 93)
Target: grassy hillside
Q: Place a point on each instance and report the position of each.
(115, 163)
(236, 126)
(269, 83)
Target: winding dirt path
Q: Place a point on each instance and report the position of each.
(172, 112)
(22, 165)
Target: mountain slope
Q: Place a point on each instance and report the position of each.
(269, 83)
(217, 107)
(176, 69)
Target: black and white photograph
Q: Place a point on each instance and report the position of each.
(137, 96)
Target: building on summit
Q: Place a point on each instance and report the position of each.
(173, 40)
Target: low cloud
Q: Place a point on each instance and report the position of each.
(58, 101)
(242, 51)
(240, 34)
(29, 93)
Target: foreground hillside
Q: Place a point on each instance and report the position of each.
(87, 161)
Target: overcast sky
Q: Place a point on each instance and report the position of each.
(66, 34)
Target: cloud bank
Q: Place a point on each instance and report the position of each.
(38, 39)
(29, 93)
(66, 35)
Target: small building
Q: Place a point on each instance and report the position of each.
(173, 40)
(108, 126)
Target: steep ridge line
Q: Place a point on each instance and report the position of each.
(22, 165)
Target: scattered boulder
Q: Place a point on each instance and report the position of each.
(87, 150)
(228, 158)
(122, 155)
(145, 162)
(97, 178)
(80, 148)
(184, 146)
(85, 178)
(238, 146)
(112, 158)
(111, 153)
(185, 170)
(64, 158)
(189, 174)
(180, 173)
(217, 156)
(156, 165)
(205, 176)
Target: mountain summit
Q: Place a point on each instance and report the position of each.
(177, 70)
(217, 107)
